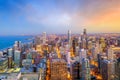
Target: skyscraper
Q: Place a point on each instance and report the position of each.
(44, 37)
(58, 69)
(17, 57)
(82, 54)
(10, 52)
(69, 38)
(84, 39)
(85, 69)
(108, 70)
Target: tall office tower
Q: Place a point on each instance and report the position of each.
(10, 52)
(73, 46)
(75, 71)
(68, 57)
(95, 51)
(38, 48)
(37, 40)
(108, 70)
(80, 42)
(58, 69)
(9, 61)
(110, 53)
(69, 38)
(117, 69)
(15, 47)
(84, 40)
(77, 50)
(85, 69)
(18, 43)
(44, 37)
(90, 45)
(82, 54)
(17, 57)
(62, 52)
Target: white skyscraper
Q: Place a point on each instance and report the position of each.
(110, 53)
(85, 69)
(68, 58)
(82, 54)
(44, 37)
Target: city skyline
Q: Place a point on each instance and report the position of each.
(59, 16)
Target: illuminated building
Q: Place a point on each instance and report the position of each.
(85, 69)
(58, 69)
(112, 52)
(68, 57)
(38, 48)
(41, 74)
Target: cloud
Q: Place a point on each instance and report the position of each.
(61, 15)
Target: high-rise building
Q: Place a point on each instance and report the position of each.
(108, 70)
(58, 69)
(10, 52)
(69, 38)
(3, 63)
(110, 53)
(85, 69)
(9, 61)
(37, 40)
(75, 71)
(17, 57)
(82, 54)
(84, 39)
(44, 37)
(117, 69)
(68, 57)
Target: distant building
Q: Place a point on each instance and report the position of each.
(10, 52)
(44, 37)
(69, 38)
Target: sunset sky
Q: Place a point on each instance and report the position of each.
(59, 16)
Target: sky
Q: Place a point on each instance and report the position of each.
(59, 16)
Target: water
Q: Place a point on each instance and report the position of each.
(8, 41)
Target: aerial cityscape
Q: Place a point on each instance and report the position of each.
(60, 40)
